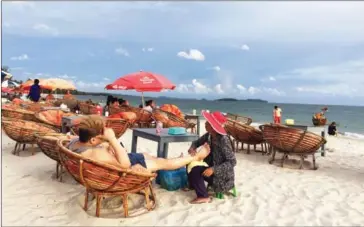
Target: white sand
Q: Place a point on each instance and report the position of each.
(267, 194)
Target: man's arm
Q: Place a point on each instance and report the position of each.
(230, 159)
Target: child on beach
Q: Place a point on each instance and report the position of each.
(91, 144)
(332, 129)
(277, 112)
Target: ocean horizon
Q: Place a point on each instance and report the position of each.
(347, 118)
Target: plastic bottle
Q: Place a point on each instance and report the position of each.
(106, 113)
(158, 128)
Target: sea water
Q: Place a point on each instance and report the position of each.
(349, 119)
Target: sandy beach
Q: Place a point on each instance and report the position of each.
(267, 195)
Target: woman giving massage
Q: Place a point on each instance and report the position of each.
(100, 144)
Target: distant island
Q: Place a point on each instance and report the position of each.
(235, 100)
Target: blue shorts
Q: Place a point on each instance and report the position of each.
(137, 158)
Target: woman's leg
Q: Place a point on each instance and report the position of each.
(197, 182)
(156, 164)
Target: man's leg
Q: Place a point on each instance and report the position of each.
(197, 182)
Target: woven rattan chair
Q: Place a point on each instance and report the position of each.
(170, 120)
(118, 125)
(24, 132)
(35, 107)
(319, 122)
(245, 134)
(54, 122)
(103, 179)
(241, 119)
(48, 145)
(87, 109)
(19, 113)
(144, 118)
(291, 141)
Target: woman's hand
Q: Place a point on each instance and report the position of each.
(208, 172)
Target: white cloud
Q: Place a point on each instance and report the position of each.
(200, 88)
(274, 91)
(89, 85)
(43, 28)
(122, 51)
(219, 89)
(107, 79)
(192, 54)
(245, 47)
(149, 49)
(65, 76)
(258, 21)
(20, 58)
(344, 79)
(182, 88)
(253, 90)
(216, 68)
(241, 88)
(268, 79)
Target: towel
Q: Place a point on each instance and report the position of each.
(196, 163)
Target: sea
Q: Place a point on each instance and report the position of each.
(349, 119)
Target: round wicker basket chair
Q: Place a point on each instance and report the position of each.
(87, 109)
(24, 132)
(18, 113)
(103, 179)
(241, 119)
(170, 120)
(319, 122)
(48, 145)
(144, 118)
(292, 141)
(118, 125)
(245, 134)
(56, 117)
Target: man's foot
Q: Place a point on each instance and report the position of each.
(201, 200)
(203, 153)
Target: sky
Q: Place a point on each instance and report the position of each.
(286, 52)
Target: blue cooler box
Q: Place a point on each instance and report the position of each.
(172, 180)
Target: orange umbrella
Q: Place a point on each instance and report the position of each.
(27, 84)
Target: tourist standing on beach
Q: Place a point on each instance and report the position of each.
(277, 113)
(35, 90)
(218, 167)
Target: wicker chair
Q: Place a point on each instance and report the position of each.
(144, 118)
(103, 179)
(118, 125)
(245, 134)
(19, 113)
(35, 107)
(291, 141)
(87, 109)
(54, 123)
(170, 120)
(24, 132)
(241, 119)
(48, 144)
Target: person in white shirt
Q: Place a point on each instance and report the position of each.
(277, 113)
(149, 105)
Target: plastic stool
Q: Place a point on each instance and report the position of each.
(220, 195)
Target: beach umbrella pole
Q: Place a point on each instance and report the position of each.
(143, 99)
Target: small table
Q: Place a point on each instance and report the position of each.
(163, 139)
(194, 117)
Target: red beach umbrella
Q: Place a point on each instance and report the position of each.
(142, 82)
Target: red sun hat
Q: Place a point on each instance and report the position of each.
(216, 120)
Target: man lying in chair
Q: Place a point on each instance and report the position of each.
(100, 144)
(218, 167)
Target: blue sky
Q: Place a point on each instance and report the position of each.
(306, 52)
